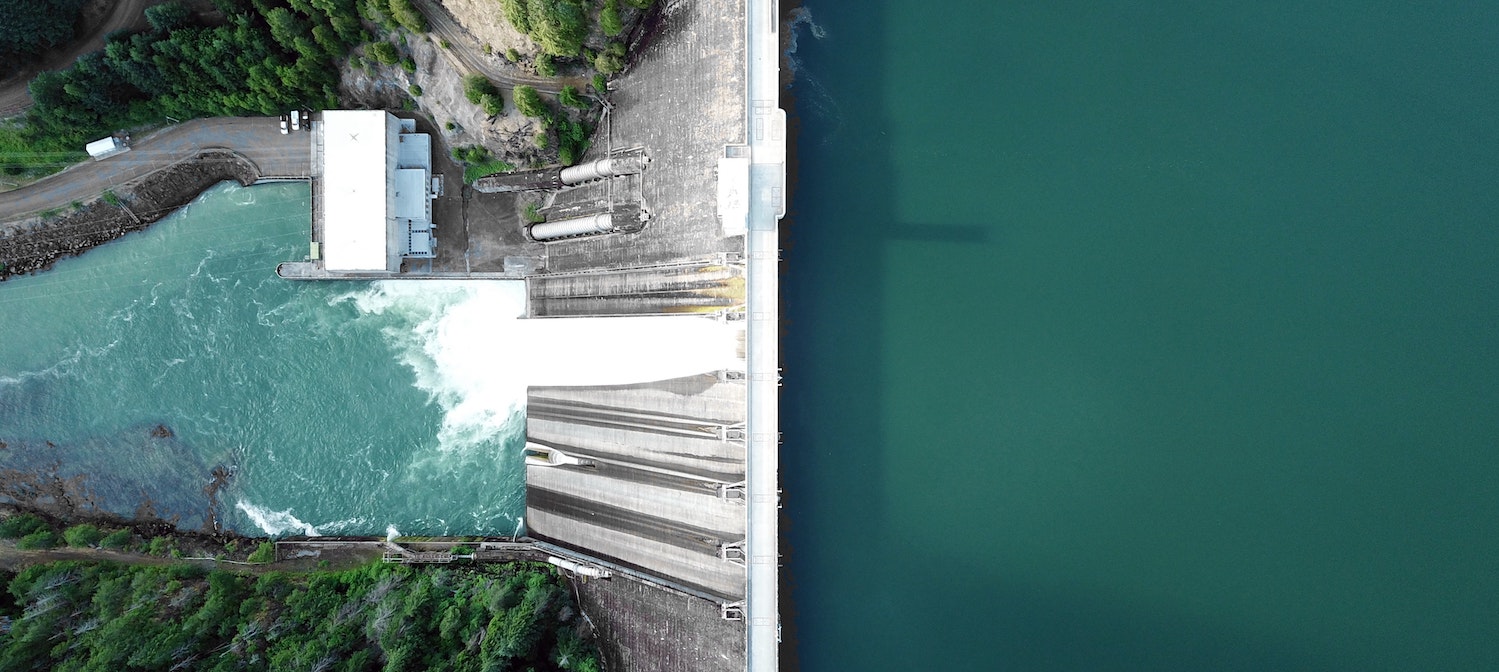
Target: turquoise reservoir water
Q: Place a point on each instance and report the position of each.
(1144, 336)
(338, 407)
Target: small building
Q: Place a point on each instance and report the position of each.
(104, 148)
(372, 191)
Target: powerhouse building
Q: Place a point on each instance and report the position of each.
(373, 191)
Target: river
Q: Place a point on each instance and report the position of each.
(336, 407)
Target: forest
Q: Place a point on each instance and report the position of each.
(108, 616)
(266, 57)
(33, 26)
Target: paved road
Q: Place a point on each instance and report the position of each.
(468, 55)
(257, 138)
(121, 14)
(762, 245)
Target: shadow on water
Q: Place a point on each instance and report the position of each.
(959, 620)
(857, 594)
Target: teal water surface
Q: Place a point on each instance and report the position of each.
(1144, 336)
(333, 407)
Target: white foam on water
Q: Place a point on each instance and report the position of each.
(472, 353)
(275, 523)
(63, 367)
(338, 526)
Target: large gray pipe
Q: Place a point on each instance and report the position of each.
(597, 170)
(601, 223)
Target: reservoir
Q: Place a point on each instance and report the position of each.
(1143, 336)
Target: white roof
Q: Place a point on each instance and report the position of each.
(101, 146)
(411, 195)
(355, 190)
(421, 243)
(415, 151)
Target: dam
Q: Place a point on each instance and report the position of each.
(669, 487)
(677, 480)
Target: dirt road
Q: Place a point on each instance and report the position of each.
(468, 56)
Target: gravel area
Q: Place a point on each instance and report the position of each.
(487, 23)
(508, 136)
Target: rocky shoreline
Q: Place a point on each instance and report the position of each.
(35, 244)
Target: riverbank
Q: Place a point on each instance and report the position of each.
(35, 243)
(85, 615)
(623, 615)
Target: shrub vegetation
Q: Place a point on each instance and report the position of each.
(475, 87)
(37, 540)
(529, 102)
(159, 546)
(572, 136)
(609, 19)
(20, 525)
(265, 552)
(571, 98)
(492, 103)
(117, 539)
(384, 53)
(478, 162)
(408, 16)
(558, 26)
(82, 536)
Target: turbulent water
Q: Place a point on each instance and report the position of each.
(1144, 336)
(333, 405)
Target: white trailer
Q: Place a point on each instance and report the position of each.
(104, 148)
